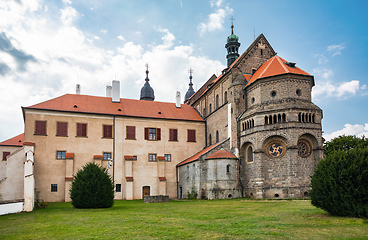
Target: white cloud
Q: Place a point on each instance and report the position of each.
(217, 3)
(341, 90)
(349, 129)
(68, 15)
(96, 37)
(215, 20)
(65, 56)
(321, 58)
(103, 31)
(335, 49)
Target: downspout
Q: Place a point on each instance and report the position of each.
(177, 182)
(113, 150)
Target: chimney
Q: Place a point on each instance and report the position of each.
(177, 104)
(108, 91)
(77, 89)
(115, 91)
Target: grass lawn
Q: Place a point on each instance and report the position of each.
(197, 219)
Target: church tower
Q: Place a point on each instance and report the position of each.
(190, 91)
(147, 92)
(232, 47)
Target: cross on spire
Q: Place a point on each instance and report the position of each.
(147, 79)
(232, 24)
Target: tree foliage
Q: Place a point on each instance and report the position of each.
(92, 188)
(340, 182)
(344, 143)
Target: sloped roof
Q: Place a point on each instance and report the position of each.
(213, 80)
(222, 153)
(276, 66)
(16, 141)
(198, 154)
(126, 107)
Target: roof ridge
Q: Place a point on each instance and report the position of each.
(282, 64)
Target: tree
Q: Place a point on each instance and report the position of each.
(92, 187)
(344, 143)
(340, 181)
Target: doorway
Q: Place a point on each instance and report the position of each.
(146, 191)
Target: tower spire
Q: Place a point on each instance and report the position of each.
(147, 92)
(232, 45)
(190, 91)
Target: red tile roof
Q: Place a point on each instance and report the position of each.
(16, 141)
(222, 153)
(275, 66)
(197, 155)
(126, 107)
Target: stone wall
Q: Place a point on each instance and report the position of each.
(156, 199)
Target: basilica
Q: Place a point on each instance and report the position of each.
(252, 131)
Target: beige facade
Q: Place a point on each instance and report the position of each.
(130, 175)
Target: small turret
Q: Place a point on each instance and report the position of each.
(147, 92)
(190, 91)
(232, 47)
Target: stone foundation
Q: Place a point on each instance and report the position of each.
(155, 199)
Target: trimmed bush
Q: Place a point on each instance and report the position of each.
(340, 183)
(92, 188)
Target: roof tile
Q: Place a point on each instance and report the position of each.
(126, 107)
(222, 153)
(273, 67)
(16, 141)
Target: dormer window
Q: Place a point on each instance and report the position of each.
(290, 64)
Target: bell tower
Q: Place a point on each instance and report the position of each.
(232, 46)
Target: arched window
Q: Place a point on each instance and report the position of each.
(279, 118)
(204, 111)
(313, 119)
(250, 154)
(274, 119)
(225, 97)
(252, 122)
(210, 140)
(283, 117)
(266, 120)
(210, 108)
(217, 101)
(270, 119)
(194, 171)
(187, 172)
(303, 117)
(228, 169)
(299, 117)
(217, 136)
(310, 117)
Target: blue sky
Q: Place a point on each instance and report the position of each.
(47, 47)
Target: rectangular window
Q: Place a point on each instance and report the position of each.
(107, 131)
(81, 129)
(40, 128)
(106, 155)
(134, 158)
(53, 187)
(168, 157)
(130, 132)
(173, 134)
(118, 188)
(152, 157)
(62, 129)
(152, 134)
(5, 154)
(60, 154)
(191, 135)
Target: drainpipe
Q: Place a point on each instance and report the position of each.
(113, 150)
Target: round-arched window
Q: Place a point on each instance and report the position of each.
(304, 148)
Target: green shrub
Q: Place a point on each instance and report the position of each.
(92, 187)
(193, 194)
(340, 183)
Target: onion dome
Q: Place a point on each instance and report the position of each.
(190, 91)
(147, 92)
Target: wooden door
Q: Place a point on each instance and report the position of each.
(146, 191)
